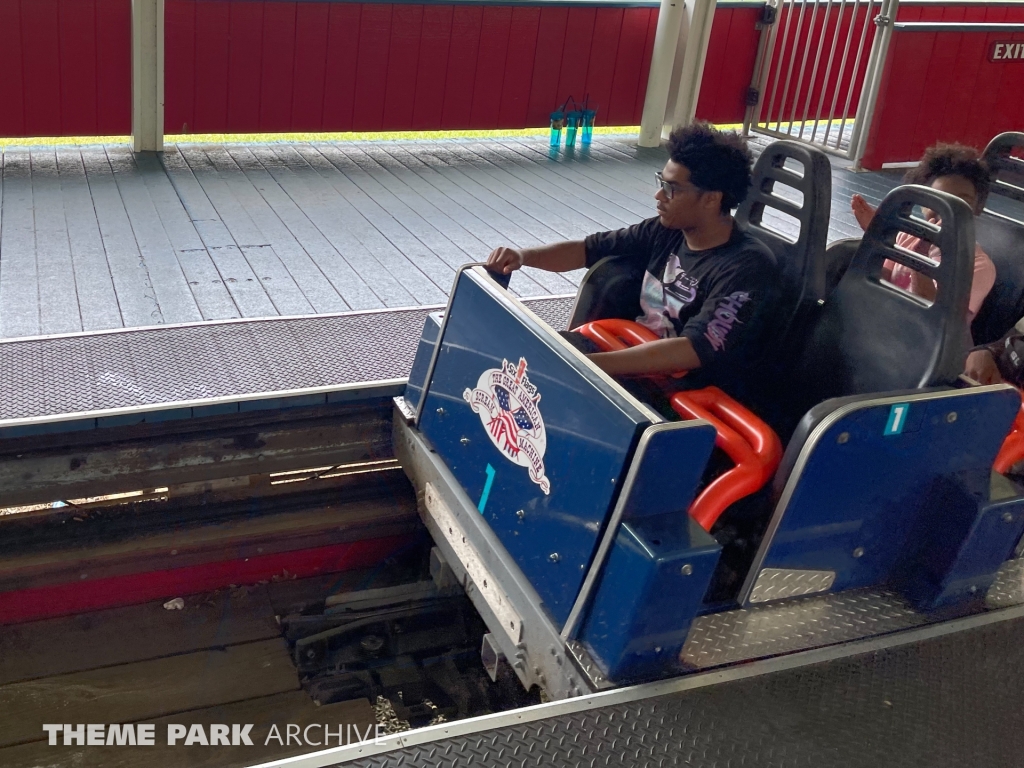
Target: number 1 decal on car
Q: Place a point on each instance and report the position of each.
(897, 418)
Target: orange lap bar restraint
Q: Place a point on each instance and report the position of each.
(751, 444)
(613, 335)
(1013, 446)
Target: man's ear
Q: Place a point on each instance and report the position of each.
(712, 200)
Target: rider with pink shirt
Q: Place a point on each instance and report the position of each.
(960, 171)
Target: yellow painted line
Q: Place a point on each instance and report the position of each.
(264, 138)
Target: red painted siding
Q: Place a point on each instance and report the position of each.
(729, 66)
(966, 11)
(65, 67)
(941, 86)
(274, 65)
(342, 51)
(463, 50)
(259, 65)
(294, 66)
(515, 91)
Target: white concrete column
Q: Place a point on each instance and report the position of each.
(148, 75)
(684, 28)
(699, 16)
(659, 81)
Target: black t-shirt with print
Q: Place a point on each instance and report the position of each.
(723, 299)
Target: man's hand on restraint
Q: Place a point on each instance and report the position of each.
(505, 261)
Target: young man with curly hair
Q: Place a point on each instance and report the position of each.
(960, 171)
(710, 288)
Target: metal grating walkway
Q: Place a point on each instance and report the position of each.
(95, 372)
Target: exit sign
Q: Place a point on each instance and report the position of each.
(1006, 52)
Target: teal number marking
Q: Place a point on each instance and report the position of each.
(487, 488)
(897, 418)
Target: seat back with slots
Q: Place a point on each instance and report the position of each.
(798, 253)
(873, 337)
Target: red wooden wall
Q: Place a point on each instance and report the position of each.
(65, 67)
(255, 65)
(729, 65)
(968, 11)
(249, 65)
(941, 86)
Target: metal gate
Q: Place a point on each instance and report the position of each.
(819, 64)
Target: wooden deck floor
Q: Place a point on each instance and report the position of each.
(94, 238)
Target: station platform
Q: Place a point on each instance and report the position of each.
(95, 238)
(888, 688)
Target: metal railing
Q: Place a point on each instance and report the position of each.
(788, 99)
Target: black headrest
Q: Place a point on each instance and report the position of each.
(872, 337)
(611, 288)
(800, 261)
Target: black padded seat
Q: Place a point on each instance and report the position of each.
(1002, 238)
(870, 337)
(1003, 241)
(612, 286)
(838, 256)
(610, 289)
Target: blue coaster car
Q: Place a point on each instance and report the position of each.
(565, 506)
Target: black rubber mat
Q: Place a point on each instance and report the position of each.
(149, 366)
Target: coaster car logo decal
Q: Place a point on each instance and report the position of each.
(507, 404)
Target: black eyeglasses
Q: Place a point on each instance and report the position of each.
(670, 188)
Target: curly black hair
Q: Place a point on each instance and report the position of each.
(953, 160)
(718, 161)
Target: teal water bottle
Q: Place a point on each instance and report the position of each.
(572, 125)
(557, 121)
(588, 126)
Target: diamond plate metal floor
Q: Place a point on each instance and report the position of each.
(771, 630)
(949, 701)
(95, 372)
